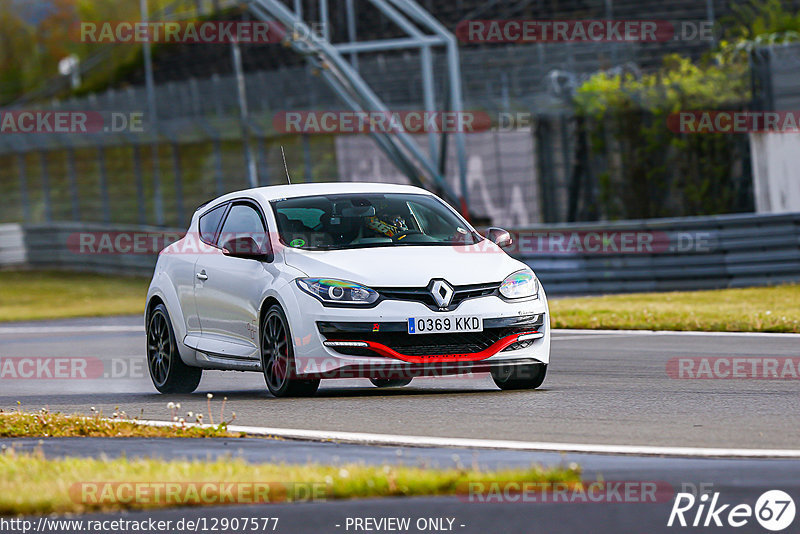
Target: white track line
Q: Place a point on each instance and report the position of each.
(423, 441)
(77, 329)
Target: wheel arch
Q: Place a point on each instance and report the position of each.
(154, 301)
(168, 297)
(266, 304)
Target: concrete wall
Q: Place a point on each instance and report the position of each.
(776, 174)
(12, 245)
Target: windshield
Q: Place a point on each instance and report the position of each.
(369, 220)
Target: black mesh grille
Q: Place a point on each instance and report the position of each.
(427, 344)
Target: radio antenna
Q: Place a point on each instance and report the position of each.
(286, 167)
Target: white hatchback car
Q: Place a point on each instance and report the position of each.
(342, 280)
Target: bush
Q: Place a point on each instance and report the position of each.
(652, 171)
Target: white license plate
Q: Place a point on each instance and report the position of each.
(439, 325)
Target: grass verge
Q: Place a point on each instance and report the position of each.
(32, 484)
(31, 295)
(19, 424)
(763, 309)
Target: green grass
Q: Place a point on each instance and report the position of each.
(31, 295)
(764, 309)
(18, 424)
(32, 484)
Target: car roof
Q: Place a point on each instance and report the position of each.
(276, 192)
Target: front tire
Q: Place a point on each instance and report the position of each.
(390, 383)
(520, 376)
(167, 370)
(277, 358)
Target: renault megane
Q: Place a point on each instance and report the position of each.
(341, 280)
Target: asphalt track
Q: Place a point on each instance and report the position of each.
(738, 481)
(602, 388)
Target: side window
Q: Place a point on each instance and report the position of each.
(209, 222)
(244, 221)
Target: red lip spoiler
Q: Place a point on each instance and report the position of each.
(488, 352)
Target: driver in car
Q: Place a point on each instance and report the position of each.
(397, 226)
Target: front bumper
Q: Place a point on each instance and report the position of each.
(391, 340)
(387, 350)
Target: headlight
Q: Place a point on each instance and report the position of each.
(520, 285)
(337, 291)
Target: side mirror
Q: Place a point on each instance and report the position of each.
(245, 248)
(499, 237)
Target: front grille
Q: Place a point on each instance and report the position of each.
(423, 294)
(427, 344)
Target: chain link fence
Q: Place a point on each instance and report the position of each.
(196, 147)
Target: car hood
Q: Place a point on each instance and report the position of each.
(407, 266)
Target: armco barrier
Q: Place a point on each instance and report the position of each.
(690, 253)
(684, 254)
(56, 246)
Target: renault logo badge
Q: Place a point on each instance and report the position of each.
(442, 293)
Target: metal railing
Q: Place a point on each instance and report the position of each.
(667, 254)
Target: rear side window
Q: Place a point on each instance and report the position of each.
(209, 222)
(244, 221)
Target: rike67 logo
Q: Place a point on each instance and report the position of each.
(774, 510)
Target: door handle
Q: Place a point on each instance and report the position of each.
(202, 276)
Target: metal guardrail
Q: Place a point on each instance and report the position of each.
(59, 246)
(683, 254)
(651, 255)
